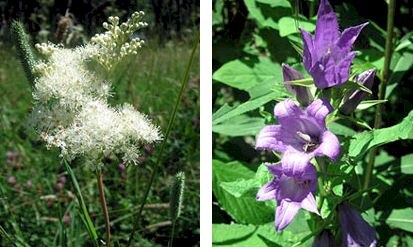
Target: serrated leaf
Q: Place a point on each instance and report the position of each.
(241, 187)
(244, 209)
(340, 129)
(236, 74)
(402, 219)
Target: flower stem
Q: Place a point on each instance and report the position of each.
(172, 234)
(382, 88)
(104, 206)
(320, 166)
(159, 158)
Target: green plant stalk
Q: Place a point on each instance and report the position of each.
(184, 82)
(24, 50)
(312, 8)
(99, 177)
(382, 88)
(320, 167)
(86, 218)
(172, 234)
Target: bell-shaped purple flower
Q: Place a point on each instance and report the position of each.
(300, 135)
(356, 231)
(290, 192)
(328, 57)
(302, 94)
(353, 99)
(325, 239)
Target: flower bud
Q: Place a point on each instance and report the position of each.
(12, 180)
(302, 94)
(325, 239)
(353, 99)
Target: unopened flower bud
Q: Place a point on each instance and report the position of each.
(12, 180)
(302, 93)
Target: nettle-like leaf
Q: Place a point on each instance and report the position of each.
(363, 141)
(290, 25)
(402, 219)
(406, 164)
(227, 182)
(267, 13)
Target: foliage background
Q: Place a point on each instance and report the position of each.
(251, 38)
(33, 208)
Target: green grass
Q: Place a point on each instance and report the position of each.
(150, 81)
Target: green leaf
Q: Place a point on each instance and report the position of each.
(244, 209)
(402, 219)
(241, 187)
(340, 129)
(289, 25)
(369, 103)
(241, 125)
(267, 13)
(226, 235)
(363, 141)
(236, 74)
(407, 164)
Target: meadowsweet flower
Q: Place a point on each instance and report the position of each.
(356, 231)
(353, 99)
(328, 57)
(300, 135)
(116, 42)
(71, 109)
(302, 94)
(290, 192)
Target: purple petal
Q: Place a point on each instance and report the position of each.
(310, 204)
(286, 109)
(330, 146)
(308, 50)
(267, 192)
(294, 162)
(285, 213)
(343, 69)
(302, 94)
(325, 239)
(326, 32)
(356, 231)
(275, 169)
(319, 109)
(349, 36)
(269, 139)
(319, 75)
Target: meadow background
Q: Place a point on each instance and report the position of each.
(251, 39)
(38, 206)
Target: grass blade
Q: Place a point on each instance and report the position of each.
(85, 215)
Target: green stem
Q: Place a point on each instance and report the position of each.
(168, 130)
(99, 177)
(382, 88)
(172, 234)
(312, 8)
(320, 166)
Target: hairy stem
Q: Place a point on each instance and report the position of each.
(172, 234)
(320, 166)
(382, 88)
(104, 206)
(168, 130)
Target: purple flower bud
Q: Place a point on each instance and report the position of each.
(325, 239)
(59, 186)
(353, 99)
(12, 180)
(66, 219)
(11, 157)
(122, 167)
(356, 231)
(302, 94)
(62, 179)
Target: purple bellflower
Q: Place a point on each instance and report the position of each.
(290, 192)
(328, 57)
(356, 231)
(325, 239)
(300, 135)
(353, 99)
(302, 94)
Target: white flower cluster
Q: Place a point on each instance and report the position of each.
(116, 42)
(71, 110)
